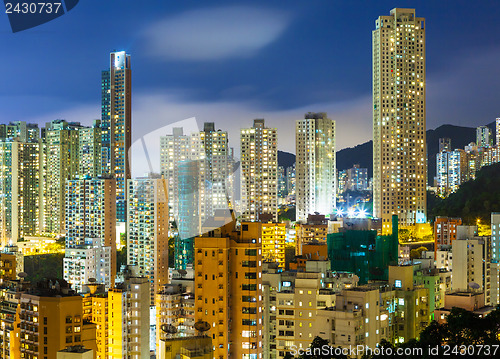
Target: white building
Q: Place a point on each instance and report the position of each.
(471, 262)
(259, 171)
(483, 136)
(315, 165)
(147, 229)
(495, 256)
(90, 260)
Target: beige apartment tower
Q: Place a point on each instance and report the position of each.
(399, 143)
(315, 165)
(259, 171)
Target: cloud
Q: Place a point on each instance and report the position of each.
(467, 92)
(214, 34)
(155, 113)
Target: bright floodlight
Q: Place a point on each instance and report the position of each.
(350, 212)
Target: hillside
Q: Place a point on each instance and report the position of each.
(362, 154)
(285, 159)
(475, 199)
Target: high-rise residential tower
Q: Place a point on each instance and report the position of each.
(315, 165)
(147, 229)
(259, 171)
(228, 287)
(116, 114)
(59, 163)
(19, 181)
(89, 150)
(399, 141)
(91, 225)
(219, 167)
(497, 126)
(198, 168)
(483, 136)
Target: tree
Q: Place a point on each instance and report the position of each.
(417, 253)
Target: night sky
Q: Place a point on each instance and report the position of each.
(231, 63)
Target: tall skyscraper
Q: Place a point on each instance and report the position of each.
(399, 141)
(19, 186)
(228, 288)
(116, 115)
(147, 229)
(444, 144)
(90, 216)
(483, 136)
(60, 163)
(89, 150)
(315, 165)
(24, 132)
(495, 258)
(218, 167)
(198, 169)
(497, 126)
(259, 171)
(175, 148)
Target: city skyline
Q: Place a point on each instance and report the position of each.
(156, 234)
(190, 85)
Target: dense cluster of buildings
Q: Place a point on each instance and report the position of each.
(240, 283)
(454, 167)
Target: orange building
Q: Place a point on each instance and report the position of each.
(228, 288)
(315, 230)
(445, 230)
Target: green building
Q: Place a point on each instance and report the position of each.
(364, 253)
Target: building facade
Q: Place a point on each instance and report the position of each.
(399, 138)
(147, 232)
(228, 288)
(315, 165)
(116, 117)
(259, 171)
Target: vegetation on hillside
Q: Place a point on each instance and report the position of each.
(464, 335)
(39, 267)
(474, 200)
(287, 214)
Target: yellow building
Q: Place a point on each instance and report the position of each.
(95, 310)
(175, 306)
(273, 242)
(128, 319)
(75, 352)
(228, 288)
(51, 319)
(195, 347)
(7, 267)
